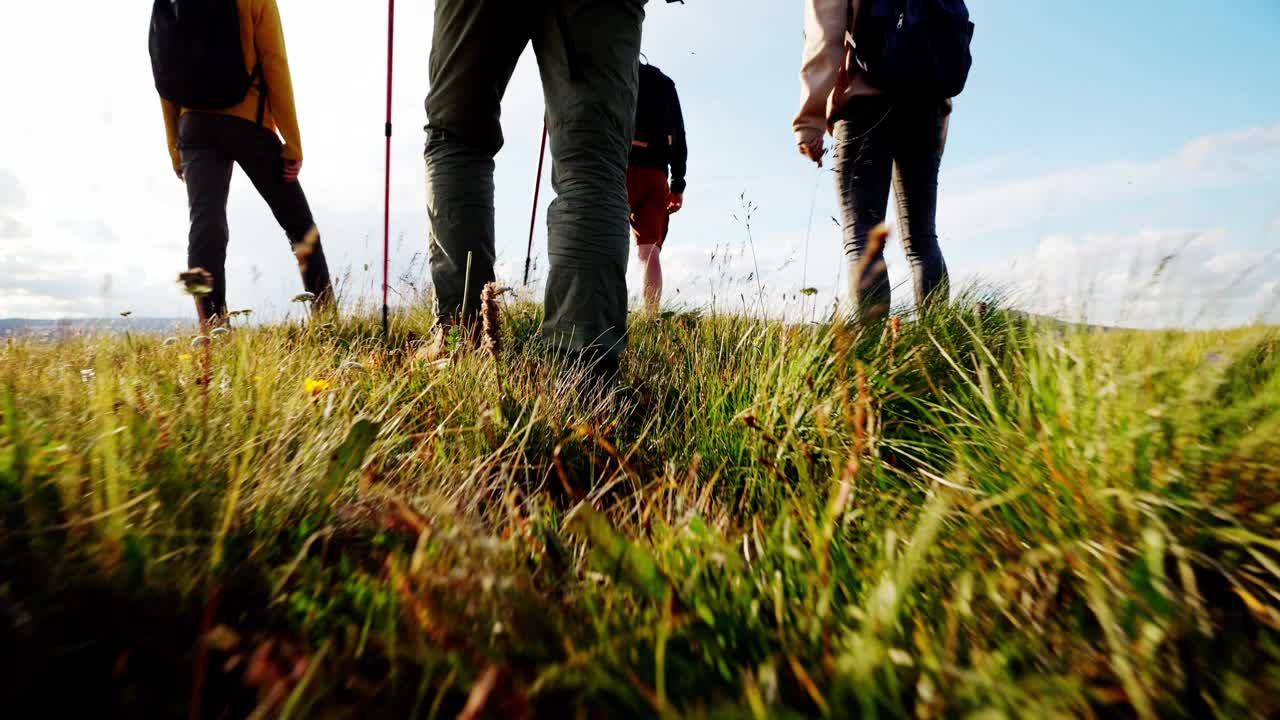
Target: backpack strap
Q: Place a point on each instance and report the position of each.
(261, 79)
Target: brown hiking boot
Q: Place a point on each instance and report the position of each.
(446, 341)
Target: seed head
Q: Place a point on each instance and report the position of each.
(491, 320)
(305, 248)
(196, 281)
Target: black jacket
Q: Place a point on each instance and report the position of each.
(660, 124)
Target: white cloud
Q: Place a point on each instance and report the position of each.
(21, 303)
(13, 228)
(1233, 263)
(1152, 278)
(1212, 151)
(731, 277)
(1222, 160)
(1273, 227)
(13, 197)
(12, 194)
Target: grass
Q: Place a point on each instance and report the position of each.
(968, 515)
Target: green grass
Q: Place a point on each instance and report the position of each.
(967, 516)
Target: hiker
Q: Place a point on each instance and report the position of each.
(659, 146)
(888, 110)
(588, 54)
(225, 87)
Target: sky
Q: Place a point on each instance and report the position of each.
(1115, 162)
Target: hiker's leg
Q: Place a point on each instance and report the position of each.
(647, 191)
(257, 151)
(475, 47)
(206, 169)
(863, 169)
(920, 137)
(651, 259)
(589, 57)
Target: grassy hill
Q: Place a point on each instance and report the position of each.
(970, 515)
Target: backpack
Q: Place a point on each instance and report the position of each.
(917, 48)
(197, 56)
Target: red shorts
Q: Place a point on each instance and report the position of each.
(648, 192)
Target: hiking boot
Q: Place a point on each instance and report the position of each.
(446, 341)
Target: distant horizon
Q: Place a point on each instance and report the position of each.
(17, 325)
(97, 318)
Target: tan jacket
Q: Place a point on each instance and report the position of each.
(829, 76)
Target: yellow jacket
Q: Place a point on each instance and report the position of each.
(263, 39)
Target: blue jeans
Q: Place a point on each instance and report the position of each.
(879, 142)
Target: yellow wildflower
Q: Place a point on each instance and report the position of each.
(184, 357)
(316, 388)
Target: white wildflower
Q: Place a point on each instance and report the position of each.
(901, 657)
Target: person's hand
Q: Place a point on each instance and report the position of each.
(178, 171)
(813, 149)
(675, 201)
(291, 170)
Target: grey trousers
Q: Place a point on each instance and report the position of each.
(212, 145)
(588, 57)
(881, 142)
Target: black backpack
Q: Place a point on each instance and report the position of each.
(915, 48)
(197, 56)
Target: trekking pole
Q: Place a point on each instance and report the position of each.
(537, 188)
(386, 198)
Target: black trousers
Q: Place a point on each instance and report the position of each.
(211, 146)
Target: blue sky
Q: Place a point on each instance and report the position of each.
(1095, 139)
